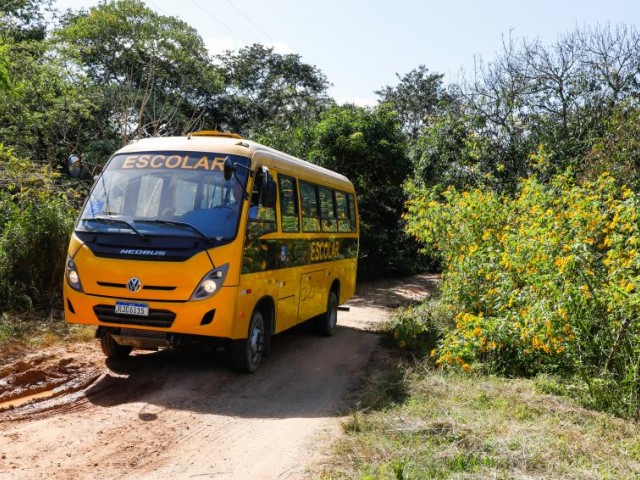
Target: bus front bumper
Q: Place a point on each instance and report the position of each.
(212, 317)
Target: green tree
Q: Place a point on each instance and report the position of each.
(35, 223)
(264, 89)
(369, 147)
(559, 96)
(23, 20)
(5, 81)
(47, 112)
(415, 99)
(452, 153)
(151, 73)
(617, 150)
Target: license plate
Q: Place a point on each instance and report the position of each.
(137, 309)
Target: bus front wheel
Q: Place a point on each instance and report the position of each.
(247, 352)
(326, 323)
(113, 349)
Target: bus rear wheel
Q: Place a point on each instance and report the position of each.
(247, 352)
(326, 323)
(113, 349)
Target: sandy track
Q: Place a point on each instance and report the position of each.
(177, 415)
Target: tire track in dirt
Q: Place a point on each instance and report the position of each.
(174, 415)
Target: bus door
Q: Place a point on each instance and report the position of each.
(312, 294)
(313, 275)
(288, 277)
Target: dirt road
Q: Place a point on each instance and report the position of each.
(65, 414)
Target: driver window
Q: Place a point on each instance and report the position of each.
(261, 219)
(149, 196)
(185, 196)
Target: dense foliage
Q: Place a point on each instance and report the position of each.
(368, 147)
(543, 282)
(35, 223)
(522, 182)
(526, 187)
(89, 81)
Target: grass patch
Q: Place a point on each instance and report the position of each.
(453, 425)
(37, 329)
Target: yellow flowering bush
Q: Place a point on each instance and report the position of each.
(544, 281)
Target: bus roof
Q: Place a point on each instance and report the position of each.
(237, 146)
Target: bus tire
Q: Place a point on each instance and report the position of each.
(113, 349)
(247, 352)
(326, 323)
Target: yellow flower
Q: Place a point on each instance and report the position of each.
(466, 367)
(561, 263)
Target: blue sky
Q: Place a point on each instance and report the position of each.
(360, 45)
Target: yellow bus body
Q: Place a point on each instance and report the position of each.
(288, 275)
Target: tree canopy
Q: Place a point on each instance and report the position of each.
(90, 80)
(152, 73)
(267, 89)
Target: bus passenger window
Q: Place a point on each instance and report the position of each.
(310, 214)
(344, 219)
(288, 204)
(352, 213)
(327, 210)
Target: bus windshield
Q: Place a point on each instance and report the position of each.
(177, 193)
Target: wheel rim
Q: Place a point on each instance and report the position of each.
(256, 339)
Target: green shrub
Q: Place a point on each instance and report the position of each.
(35, 224)
(542, 282)
(417, 328)
(33, 249)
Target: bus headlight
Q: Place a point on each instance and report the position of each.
(73, 279)
(211, 283)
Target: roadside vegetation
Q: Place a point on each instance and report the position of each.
(427, 422)
(417, 417)
(519, 183)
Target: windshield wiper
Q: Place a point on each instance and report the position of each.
(173, 223)
(116, 221)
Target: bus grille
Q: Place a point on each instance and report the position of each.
(156, 318)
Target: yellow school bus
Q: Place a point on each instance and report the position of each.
(210, 238)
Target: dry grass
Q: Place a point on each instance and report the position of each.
(37, 329)
(463, 426)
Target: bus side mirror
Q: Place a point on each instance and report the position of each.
(75, 167)
(229, 169)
